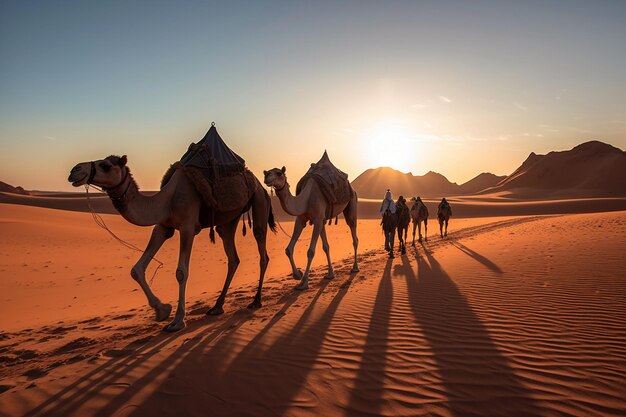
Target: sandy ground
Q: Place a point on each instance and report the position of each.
(506, 317)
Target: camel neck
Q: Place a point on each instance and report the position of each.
(138, 208)
(293, 205)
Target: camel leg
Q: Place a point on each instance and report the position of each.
(350, 214)
(317, 228)
(414, 227)
(441, 227)
(159, 235)
(406, 230)
(297, 230)
(182, 273)
(446, 233)
(425, 229)
(227, 233)
(419, 226)
(392, 235)
(260, 214)
(331, 273)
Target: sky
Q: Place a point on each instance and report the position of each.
(458, 88)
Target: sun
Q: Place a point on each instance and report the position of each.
(390, 143)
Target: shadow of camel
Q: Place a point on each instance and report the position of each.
(271, 368)
(366, 397)
(69, 400)
(477, 256)
(477, 378)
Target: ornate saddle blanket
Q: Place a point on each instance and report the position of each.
(222, 193)
(332, 181)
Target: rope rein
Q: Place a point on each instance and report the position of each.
(100, 222)
(276, 218)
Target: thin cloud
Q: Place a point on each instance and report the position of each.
(445, 99)
(520, 106)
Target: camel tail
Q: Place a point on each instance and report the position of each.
(270, 220)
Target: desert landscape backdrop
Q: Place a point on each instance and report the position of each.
(519, 311)
(514, 112)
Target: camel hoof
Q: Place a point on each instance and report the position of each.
(391, 255)
(302, 287)
(297, 275)
(215, 311)
(329, 276)
(255, 304)
(175, 326)
(162, 312)
(354, 269)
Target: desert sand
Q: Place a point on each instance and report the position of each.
(508, 316)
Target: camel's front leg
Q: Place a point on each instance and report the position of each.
(317, 228)
(419, 231)
(331, 273)
(425, 229)
(159, 235)
(415, 227)
(297, 230)
(446, 233)
(182, 273)
(227, 233)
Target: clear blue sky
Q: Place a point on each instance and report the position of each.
(455, 87)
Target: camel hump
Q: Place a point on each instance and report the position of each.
(333, 182)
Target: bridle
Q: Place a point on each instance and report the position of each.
(92, 174)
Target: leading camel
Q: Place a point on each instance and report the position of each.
(177, 206)
(310, 205)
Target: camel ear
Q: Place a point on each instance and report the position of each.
(123, 161)
(283, 169)
(264, 172)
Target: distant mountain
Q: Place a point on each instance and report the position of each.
(480, 182)
(591, 169)
(374, 182)
(6, 188)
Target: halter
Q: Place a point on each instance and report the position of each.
(92, 174)
(117, 198)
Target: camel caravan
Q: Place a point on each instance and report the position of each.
(396, 217)
(211, 187)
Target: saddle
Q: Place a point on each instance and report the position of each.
(332, 181)
(218, 174)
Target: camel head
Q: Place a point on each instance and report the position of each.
(106, 173)
(275, 178)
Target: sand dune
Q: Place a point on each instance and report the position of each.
(484, 205)
(507, 317)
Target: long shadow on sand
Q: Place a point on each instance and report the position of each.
(477, 378)
(112, 374)
(271, 368)
(477, 256)
(366, 397)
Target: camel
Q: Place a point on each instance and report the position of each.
(404, 218)
(177, 206)
(444, 212)
(310, 205)
(390, 225)
(419, 214)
